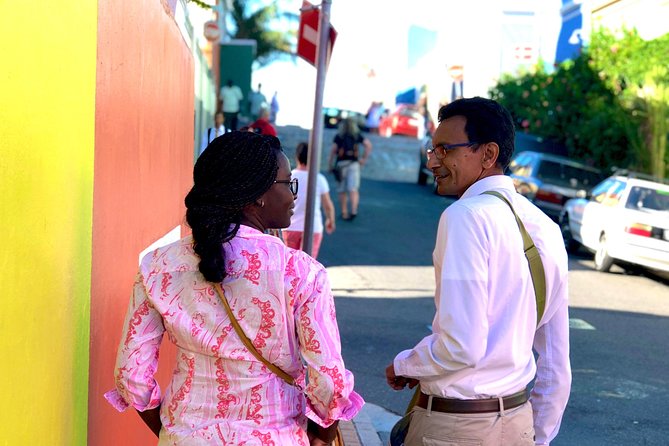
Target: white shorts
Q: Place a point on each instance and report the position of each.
(350, 176)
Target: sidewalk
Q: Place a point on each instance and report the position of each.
(360, 431)
(371, 427)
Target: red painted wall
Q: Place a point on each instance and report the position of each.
(143, 169)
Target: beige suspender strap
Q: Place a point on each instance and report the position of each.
(533, 259)
(247, 342)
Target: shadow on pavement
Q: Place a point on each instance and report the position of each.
(396, 225)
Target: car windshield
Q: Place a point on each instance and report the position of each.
(648, 199)
(566, 175)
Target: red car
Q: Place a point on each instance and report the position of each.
(405, 120)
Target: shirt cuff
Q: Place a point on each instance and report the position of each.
(355, 403)
(399, 363)
(116, 400)
(119, 403)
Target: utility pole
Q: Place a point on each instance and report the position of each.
(316, 135)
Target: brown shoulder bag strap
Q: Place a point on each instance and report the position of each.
(533, 259)
(247, 342)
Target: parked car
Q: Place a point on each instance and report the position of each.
(624, 220)
(332, 116)
(423, 172)
(405, 120)
(550, 180)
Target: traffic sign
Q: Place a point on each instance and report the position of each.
(211, 31)
(307, 40)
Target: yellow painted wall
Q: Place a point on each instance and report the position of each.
(47, 122)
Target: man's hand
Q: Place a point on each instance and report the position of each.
(398, 382)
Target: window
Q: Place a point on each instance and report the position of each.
(608, 193)
(645, 198)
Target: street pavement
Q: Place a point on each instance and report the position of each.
(380, 268)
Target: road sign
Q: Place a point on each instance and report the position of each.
(456, 72)
(211, 31)
(307, 40)
(523, 52)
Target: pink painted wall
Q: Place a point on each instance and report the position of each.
(143, 168)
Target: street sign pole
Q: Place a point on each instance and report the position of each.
(316, 135)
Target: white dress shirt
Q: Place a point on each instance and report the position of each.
(484, 328)
(209, 135)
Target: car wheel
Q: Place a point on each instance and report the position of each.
(603, 262)
(570, 244)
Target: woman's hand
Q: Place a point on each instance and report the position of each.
(321, 436)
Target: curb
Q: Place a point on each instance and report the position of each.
(360, 431)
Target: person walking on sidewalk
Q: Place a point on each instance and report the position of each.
(262, 124)
(228, 281)
(230, 97)
(475, 367)
(257, 101)
(346, 161)
(213, 132)
(294, 233)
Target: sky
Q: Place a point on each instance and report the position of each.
(373, 38)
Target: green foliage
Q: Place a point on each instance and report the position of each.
(201, 4)
(256, 25)
(636, 70)
(608, 106)
(252, 20)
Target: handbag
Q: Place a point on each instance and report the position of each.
(339, 439)
(336, 171)
(401, 428)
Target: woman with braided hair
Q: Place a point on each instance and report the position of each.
(220, 393)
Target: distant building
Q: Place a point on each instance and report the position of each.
(580, 18)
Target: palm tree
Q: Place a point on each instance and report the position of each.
(250, 19)
(260, 24)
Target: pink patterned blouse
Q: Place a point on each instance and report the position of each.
(219, 393)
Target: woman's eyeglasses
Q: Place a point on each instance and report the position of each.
(293, 184)
(440, 150)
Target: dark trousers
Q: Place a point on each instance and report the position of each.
(231, 120)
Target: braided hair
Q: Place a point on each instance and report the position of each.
(234, 171)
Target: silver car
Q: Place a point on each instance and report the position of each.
(624, 220)
(550, 180)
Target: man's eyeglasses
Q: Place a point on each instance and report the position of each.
(440, 150)
(293, 184)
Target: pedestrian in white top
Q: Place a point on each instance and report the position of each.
(485, 326)
(294, 233)
(212, 132)
(230, 97)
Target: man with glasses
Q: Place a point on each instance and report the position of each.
(475, 369)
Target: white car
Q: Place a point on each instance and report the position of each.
(624, 220)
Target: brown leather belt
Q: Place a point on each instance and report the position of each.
(450, 405)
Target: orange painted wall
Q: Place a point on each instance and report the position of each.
(143, 169)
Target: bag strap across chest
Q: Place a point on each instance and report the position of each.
(533, 259)
(247, 342)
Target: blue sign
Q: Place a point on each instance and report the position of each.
(570, 41)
